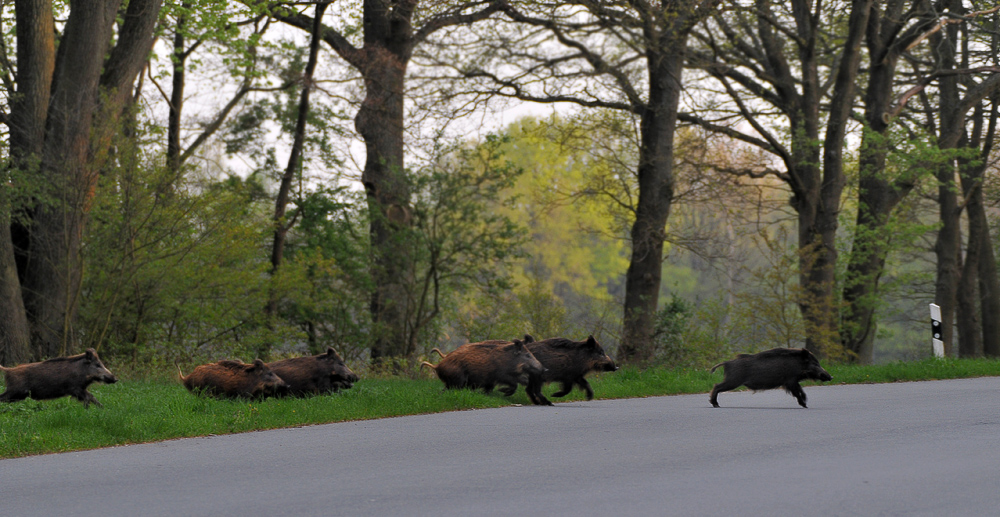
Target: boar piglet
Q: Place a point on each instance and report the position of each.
(315, 374)
(775, 368)
(487, 364)
(567, 362)
(56, 378)
(233, 379)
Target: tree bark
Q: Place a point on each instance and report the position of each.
(878, 195)
(52, 278)
(176, 106)
(989, 283)
(656, 191)
(35, 28)
(948, 245)
(281, 226)
(61, 133)
(978, 315)
(380, 123)
(970, 330)
(822, 332)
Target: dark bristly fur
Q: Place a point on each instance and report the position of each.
(315, 374)
(775, 368)
(234, 379)
(485, 365)
(56, 378)
(567, 362)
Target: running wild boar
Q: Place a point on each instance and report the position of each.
(487, 364)
(775, 368)
(56, 378)
(567, 362)
(323, 373)
(233, 379)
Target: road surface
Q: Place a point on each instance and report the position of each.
(921, 448)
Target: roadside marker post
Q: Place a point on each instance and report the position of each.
(936, 333)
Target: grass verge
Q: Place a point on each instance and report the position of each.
(152, 410)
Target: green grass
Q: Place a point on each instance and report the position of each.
(151, 410)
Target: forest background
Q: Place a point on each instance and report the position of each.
(197, 180)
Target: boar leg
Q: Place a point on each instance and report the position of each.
(585, 386)
(719, 388)
(509, 390)
(795, 389)
(567, 386)
(87, 398)
(535, 392)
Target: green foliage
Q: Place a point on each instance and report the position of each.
(671, 326)
(174, 267)
(574, 254)
(461, 241)
(572, 202)
(324, 285)
(251, 132)
(511, 314)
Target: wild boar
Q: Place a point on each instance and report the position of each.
(567, 362)
(323, 373)
(485, 365)
(58, 377)
(234, 379)
(770, 369)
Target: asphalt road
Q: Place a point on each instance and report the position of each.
(923, 448)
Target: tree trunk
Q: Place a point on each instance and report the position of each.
(823, 328)
(36, 60)
(52, 278)
(878, 196)
(380, 123)
(989, 283)
(656, 191)
(876, 200)
(177, 95)
(15, 338)
(63, 139)
(978, 316)
(970, 330)
(948, 246)
(281, 226)
(989, 295)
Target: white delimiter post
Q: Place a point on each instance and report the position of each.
(936, 343)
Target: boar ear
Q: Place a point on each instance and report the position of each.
(258, 364)
(90, 354)
(528, 338)
(591, 342)
(518, 344)
(330, 351)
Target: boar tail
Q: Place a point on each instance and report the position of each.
(429, 365)
(716, 366)
(440, 353)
